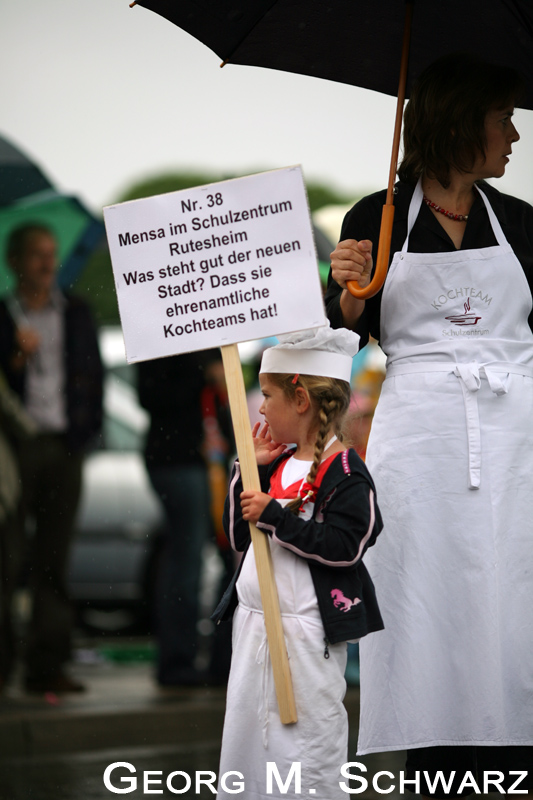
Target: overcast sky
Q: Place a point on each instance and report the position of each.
(102, 95)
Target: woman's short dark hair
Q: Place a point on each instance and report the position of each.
(444, 120)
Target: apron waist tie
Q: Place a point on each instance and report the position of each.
(263, 659)
(470, 375)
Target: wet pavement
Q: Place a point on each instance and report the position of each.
(54, 748)
(81, 776)
(59, 749)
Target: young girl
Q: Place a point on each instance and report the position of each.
(318, 508)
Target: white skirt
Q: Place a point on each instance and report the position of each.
(453, 570)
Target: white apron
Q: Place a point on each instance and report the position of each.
(451, 452)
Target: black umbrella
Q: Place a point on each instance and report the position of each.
(360, 43)
(354, 41)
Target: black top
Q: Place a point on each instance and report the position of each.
(170, 390)
(345, 522)
(428, 236)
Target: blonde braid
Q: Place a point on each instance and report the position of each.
(330, 410)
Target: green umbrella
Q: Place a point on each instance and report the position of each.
(26, 196)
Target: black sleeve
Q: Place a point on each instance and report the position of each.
(14, 378)
(85, 373)
(351, 524)
(516, 219)
(235, 527)
(361, 222)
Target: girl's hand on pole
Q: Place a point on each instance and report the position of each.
(352, 261)
(253, 504)
(265, 449)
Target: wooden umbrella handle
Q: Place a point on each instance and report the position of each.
(261, 548)
(387, 216)
(382, 258)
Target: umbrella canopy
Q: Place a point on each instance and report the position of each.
(356, 42)
(27, 196)
(20, 176)
(363, 44)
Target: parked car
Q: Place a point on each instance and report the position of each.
(120, 519)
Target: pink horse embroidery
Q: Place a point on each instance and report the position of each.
(341, 602)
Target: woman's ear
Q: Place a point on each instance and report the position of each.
(303, 403)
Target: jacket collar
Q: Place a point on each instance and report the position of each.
(339, 470)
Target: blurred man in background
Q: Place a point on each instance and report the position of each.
(170, 390)
(49, 355)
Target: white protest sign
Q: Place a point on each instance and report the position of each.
(215, 265)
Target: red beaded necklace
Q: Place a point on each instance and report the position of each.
(435, 207)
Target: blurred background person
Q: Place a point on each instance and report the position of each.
(219, 450)
(49, 354)
(171, 389)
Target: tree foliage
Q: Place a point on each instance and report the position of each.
(319, 194)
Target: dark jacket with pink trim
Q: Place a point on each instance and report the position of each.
(345, 521)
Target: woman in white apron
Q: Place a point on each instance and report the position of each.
(450, 678)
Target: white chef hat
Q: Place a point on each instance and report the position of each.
(317, 351)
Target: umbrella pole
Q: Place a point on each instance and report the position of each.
(263, 558)
(387, 215)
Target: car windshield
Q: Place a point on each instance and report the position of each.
(125, 421)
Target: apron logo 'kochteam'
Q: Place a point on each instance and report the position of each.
(468, 318)
(453, 294)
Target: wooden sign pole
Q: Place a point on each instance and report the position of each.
(263, 558)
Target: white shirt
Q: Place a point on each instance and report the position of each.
(44, 394)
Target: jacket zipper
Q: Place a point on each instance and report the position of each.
(326, 648)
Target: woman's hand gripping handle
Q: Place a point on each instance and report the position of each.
(351, 263)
